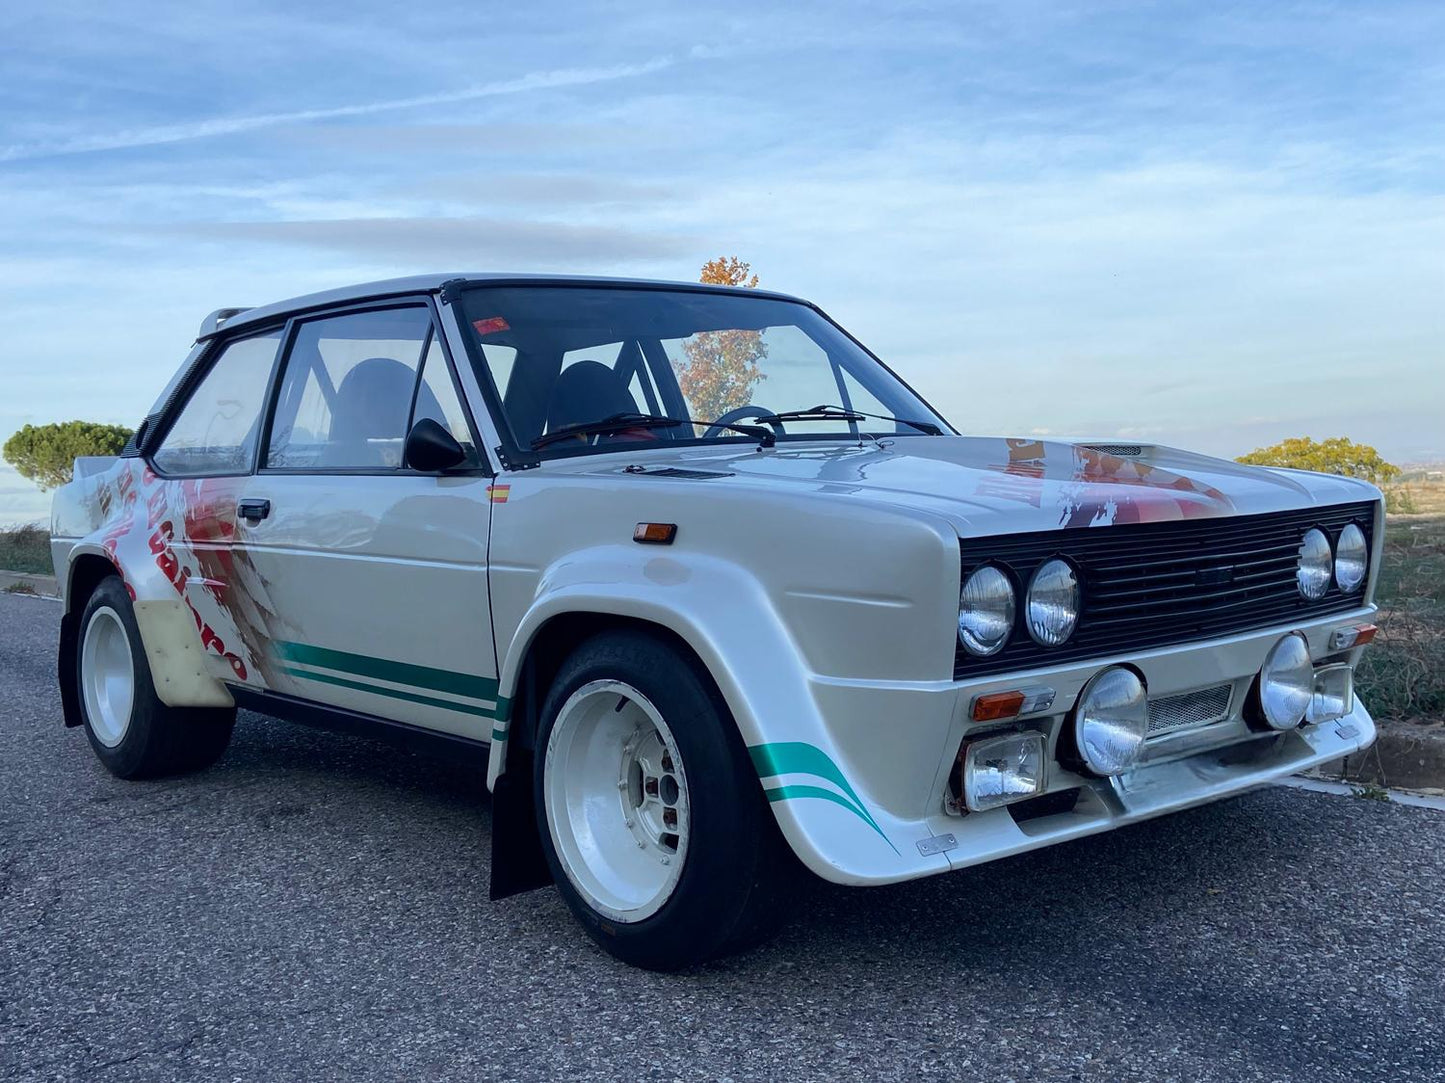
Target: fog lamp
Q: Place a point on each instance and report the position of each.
(1112, 721)
(1334, 693)
(998, 770)
(1287, 682)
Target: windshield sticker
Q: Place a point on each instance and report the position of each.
(491, 325)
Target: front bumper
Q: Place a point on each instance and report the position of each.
(885, 752)
(1158, 788)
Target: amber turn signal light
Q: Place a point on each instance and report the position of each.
(997, 705)
(655, 533)
(1345, 638)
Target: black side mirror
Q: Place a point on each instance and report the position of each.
(430, 448)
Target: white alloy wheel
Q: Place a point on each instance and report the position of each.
(107, 676)
(615, 792)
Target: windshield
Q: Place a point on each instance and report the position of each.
(564, 357)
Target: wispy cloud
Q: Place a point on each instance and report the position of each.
(461, 242)
(203, 129)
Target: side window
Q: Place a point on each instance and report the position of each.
(216, 430)
(347, 391)
(437, 399)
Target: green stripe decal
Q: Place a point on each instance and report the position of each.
(384, 669)
(800, 758)
(362, 669)
(394, 693)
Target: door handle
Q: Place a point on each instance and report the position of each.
(253, 511)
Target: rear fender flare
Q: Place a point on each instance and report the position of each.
(176, 638)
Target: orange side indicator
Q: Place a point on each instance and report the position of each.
(655, 533)
(499, 493)
(1343, 639)
(997, 705)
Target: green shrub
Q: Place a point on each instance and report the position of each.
(1400, 501)
(1338, 455)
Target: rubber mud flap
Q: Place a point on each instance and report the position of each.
(518, 863)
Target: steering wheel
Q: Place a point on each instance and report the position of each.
(743, 413)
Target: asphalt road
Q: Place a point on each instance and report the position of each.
(315, 908)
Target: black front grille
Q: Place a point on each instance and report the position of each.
(1156, 584)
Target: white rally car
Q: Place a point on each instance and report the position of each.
(710, 591)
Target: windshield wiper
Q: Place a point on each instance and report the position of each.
(837, 413)
(612, 423)
(615, 423)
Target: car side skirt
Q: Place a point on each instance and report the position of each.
(404, 735)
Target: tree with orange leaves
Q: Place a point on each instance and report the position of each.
(721, 367)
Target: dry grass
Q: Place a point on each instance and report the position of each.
(1416, 496)
(1403, 675)
(26, 549)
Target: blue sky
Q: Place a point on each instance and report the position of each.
(1206, 225)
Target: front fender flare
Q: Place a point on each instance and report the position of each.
(836, 827)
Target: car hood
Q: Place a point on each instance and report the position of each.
(996, 484)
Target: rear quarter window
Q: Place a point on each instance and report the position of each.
(217, 429)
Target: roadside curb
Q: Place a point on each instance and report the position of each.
(16, 582)
(1406, 755)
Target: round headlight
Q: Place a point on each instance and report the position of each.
(1287, 682)
(985, 611)
(1315, 565)
(1112, 721)
(1053, 603)
(1352, 559)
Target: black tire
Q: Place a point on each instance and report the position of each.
(157, 740)
(734, 888)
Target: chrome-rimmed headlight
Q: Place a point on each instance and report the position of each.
(1111, 722)
(1352, 559)
(1287, 682)
(1052, 603)
(1316, 565)
(986, 608)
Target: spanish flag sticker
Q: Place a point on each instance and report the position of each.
(499, 493)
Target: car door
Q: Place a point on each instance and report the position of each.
(376, 574)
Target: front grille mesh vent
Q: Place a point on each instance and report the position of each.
(1170, 713)
(1148, 585)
